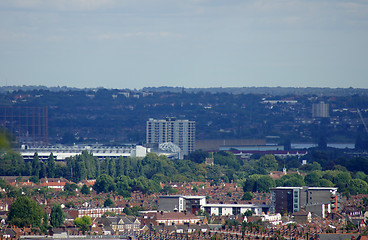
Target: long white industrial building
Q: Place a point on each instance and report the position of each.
(60, 153)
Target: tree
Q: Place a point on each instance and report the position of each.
(57, 216)
(267, 163)
(104, 183)
(197, 156)
(247, 196)
(83, 223)
(51, 166)
(85, 189)
(43, 172)
(261, 183)
(108, 202)
(341, 181)
(357, 186)
(70, 188)
(36, 166)
(313, 179)
(45, 223)
(311, 167)
(25, 212)
(291, 180)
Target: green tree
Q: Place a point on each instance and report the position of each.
(45, 223)
(264, 183)
(83, 223)
(42, 170)
(258, 183)
(313, 179)
(70, 188)
(104, 183)
(247, 196)
(311, 167)
(12, 164)
(291, 180)
(85, 189)
(25, 212)
(112, 167)
(357, 186)
(51, 166)
(341, 181)
(36, 165)
(197, 156)
(57, 216)
(267, 163)
(108, 202)
(123, 186)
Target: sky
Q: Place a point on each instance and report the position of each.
(184, 43)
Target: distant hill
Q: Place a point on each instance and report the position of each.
(233, 90)
(267, 90)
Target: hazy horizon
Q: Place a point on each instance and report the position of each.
(189, 43)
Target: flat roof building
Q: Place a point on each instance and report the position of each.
(318, 200)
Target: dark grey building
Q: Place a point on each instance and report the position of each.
(318, 200)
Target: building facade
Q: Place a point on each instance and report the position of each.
(179, 203)
(318, 200)
(194, 204)
(171, 130)
(320, 110)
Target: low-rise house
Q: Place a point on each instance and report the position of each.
(302, 217)
(56, 184)
(123, 223)
(92, 212)
(169, 218)
(275, 219)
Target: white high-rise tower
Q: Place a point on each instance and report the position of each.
(179, 132)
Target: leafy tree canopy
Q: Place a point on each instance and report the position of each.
(25, 212)
(57, 216)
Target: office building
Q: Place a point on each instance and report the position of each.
(317, 200)
(170, 130)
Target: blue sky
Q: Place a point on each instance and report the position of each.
(186, 43)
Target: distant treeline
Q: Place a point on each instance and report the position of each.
(329, 168)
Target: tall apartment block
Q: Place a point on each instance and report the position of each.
(320, 110)
(317, 200)
(179, 132)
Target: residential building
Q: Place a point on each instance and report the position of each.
(170, 130)
(169, 218)
(194, 204)
(317, 200)
(121, 223)
(92, 212)
(234, 209)
(320, 110)
(179, 203)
